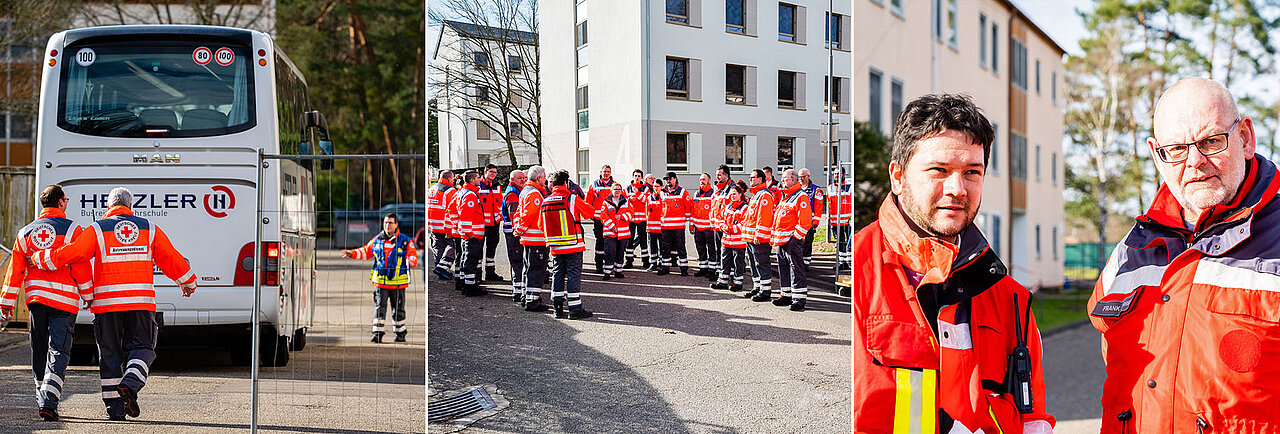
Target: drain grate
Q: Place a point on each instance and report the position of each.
(465, 406)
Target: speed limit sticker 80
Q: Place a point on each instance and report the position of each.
(202, 55)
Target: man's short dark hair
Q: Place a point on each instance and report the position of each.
(723, 168)
(932, 114)
(638, 172)
(489, 166)
(51, 196)
(561, 177)
(392, 216)
(758, 173)
(471, 175)
(768, 170)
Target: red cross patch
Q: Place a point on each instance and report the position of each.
(126, 232)
(42, 236)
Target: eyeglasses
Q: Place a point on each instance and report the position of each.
(1208, 146)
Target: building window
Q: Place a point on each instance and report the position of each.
(735, 82)
(1054, 231)
(874, 98)
(1037, 76)
(1037, 162)
(786, 22)
(786, 89)
(482, 130)
(1037, 242)
(677, 152)
(1053, 86)
(832, 91)
(678, 11)
(895, 6)
(514, 130)
(1018, 64)
(895, 103)
(953, 17)
(735, 18)
(995, 233)
(1018, 156)
(481, 59)
(834, 30)
(582, 57)
(995, 48)
(482, 94)
(995, 148)
(580, 35)
(582, 105)
(1053, 167)
(982, 40)
(785, 147)
(583, 120)
(513, 63)
(733, 152)
(584, 160)
(677, 78)
(514, 97)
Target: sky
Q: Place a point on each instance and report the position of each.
(1059, 19)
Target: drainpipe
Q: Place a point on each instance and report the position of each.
(647, 147)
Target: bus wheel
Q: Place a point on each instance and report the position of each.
(299, 339)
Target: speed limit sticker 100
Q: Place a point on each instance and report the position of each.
(224, 56)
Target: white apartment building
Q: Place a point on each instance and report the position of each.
(687, 85)
(990, 50)
(481, 98)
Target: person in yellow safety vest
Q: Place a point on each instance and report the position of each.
(393, 255)
(53, 297)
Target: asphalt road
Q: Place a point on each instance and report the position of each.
(662, 354)
(1074, 372)
(339, 383)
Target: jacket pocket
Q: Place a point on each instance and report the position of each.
(1002, 415)
(1260, 304)
(899, 344)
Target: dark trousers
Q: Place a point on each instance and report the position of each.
(471, 260)
(444, 251)
(126, 350)
(612, 246)
(491, 236)
(673, 251)
(380, 298)
(639, 238)
(702, 243)
(844, 250)
(515, 255)
(51, 332)
(733, 264)
(535, 259)
(791, 271)
(619, 253)
(597, 229)
(808, 245)
(761, 266)
(655, 248)
(566, 280)
(715, 250)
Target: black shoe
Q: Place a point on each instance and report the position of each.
(560, 310)
(442, 274)
(751, 293)
(400, 337)
(797, 306)
(115, 416)
(493, 277)
(49, 414)
(719, 285)
(130, 400)
(684, 271)
(782, 301)
(517, 297)
(459, 286)
(762, 296)
(535, 306)
(618, 275)
(377, 338)
(473, 290)
(607, 276)
(700, 273)
(735, 288)
(628, 265)
(579, 314)
(664, 271)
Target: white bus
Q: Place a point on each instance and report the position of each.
(177, 114)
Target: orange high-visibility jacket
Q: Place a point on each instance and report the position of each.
(562, 214)
(437, 204)
(840, 198)
(757, 223)
(527, 224)
(1189, 318)
(597, 192)
(61, 289)
(490, 194)
(731, 225)
(955, 363)
(615, 217)
(653, 209)
(719, 200)
(636, 198)
(676, 208)
(701, 203)
(471, 218)
(451, 212)
(124, 247)
(791, 217)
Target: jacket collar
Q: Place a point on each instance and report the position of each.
(929, 256)
(787, 192)
(472, 187)
(723, 185)
(560, 190)
(1259, 187)
(52, 212)
(117, 210)
(757, 188)
(382, 235)
(701, 189)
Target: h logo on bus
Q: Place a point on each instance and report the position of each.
(219, 201)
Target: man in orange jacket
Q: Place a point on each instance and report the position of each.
(53, 297)
(1187, 302)
(944, 340)
(527, 224)
(562, 214)
(125, 249)
(757, 230)
(438, 198)
(701, 225)
(791, 220)
(470, 224)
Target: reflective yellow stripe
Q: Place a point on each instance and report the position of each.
(928, 414)
(995, 422)
(564, 222)
(902, 402)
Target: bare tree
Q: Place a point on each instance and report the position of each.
(252, 14)
(491, 71)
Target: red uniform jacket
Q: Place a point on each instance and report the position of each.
(62, 289)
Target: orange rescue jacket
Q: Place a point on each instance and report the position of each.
(61, 289)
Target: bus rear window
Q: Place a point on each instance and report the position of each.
(156, 89)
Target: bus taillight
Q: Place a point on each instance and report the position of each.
(270, 268)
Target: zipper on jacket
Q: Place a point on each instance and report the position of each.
(1124, 420)
(1201, 425)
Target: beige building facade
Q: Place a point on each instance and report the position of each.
(991, 51)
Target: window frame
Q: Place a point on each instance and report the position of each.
(740, 29)
(677, 167)
(742, 96)
(782, 103)
(676, 17)
(787, 37)
(742, 146)
(677, 93)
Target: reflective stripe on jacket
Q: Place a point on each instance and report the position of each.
(527, 224)
(791, 217)
(757, 223)
(1189, 317)
(910, 368)
(62, 289)
(731, 225)
(840, 198)
(636, 197)
(471, 219)
(392, 257)
(437, 204)
(562, 214)
(676, 208)
(701, 203)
